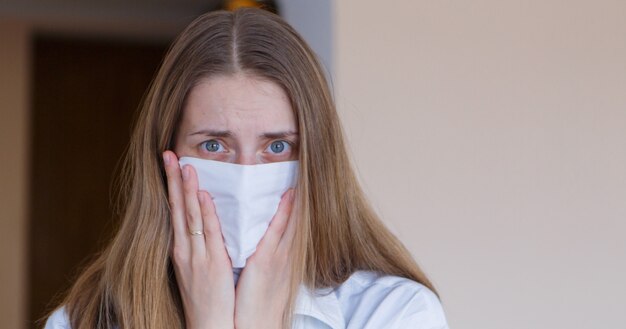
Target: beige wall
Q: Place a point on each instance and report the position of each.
(14, 72)
(491, 135)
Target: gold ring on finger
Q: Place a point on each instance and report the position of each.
(196, 232)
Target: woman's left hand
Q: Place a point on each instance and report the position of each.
(263, 288)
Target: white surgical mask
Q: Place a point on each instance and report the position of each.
(246, 198)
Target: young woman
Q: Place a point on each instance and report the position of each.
(241, 209)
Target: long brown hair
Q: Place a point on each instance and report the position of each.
(131, 284)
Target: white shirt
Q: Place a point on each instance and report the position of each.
(364, 301)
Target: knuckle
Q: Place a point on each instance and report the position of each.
(211, 229)
(188, 187)
(180, 256)
(173, 204)
(189, 213)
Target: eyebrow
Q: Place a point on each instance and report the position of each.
(280, 134)
(228, 133)
(216, 133)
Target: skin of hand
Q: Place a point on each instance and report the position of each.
(203, 268)
(263, 288)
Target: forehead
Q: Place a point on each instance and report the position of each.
(238, 102)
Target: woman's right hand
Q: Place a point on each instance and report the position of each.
(203, 268)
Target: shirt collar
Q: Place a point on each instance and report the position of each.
(321, 304)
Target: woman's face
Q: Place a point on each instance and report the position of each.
(238, 119)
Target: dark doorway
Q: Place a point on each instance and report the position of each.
(85, 96)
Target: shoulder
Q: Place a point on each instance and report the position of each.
(58, 320)
(387, 301)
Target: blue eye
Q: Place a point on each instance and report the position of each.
(213, 146)
(278, 147)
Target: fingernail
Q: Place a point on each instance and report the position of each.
(166, 159)
(186, 172)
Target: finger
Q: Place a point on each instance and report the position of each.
(270, 240)
(213, 233)
(176, 202)
(192, 211)
(286, 239)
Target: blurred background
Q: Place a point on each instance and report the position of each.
(490, 135)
